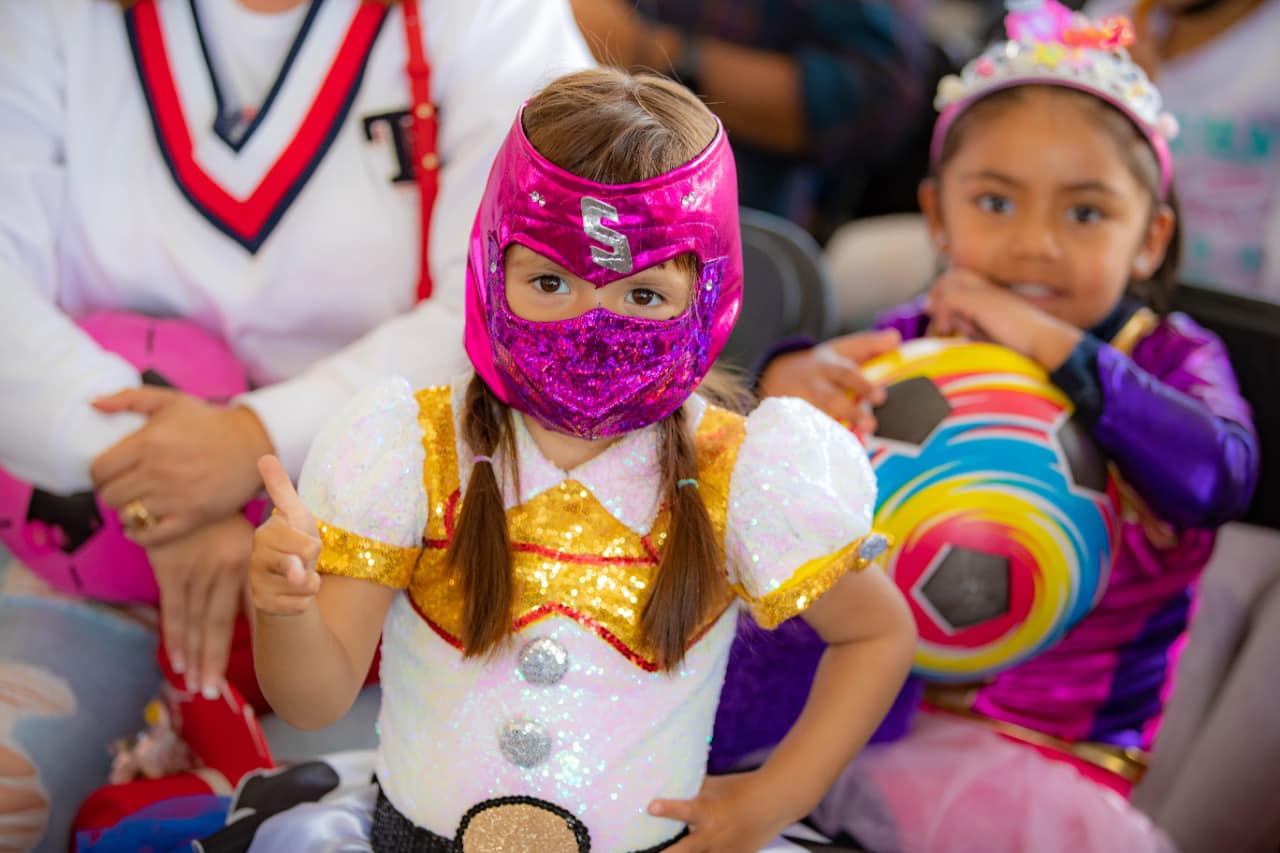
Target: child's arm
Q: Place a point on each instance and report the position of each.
(871, 637)
(1183, 439)
(315, 633)
(1190, 452)
(313, 638)
(800, 509)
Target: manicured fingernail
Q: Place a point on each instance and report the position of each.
(210, 692)
(190, 684)
(178, 664)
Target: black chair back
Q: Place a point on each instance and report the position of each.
(1251, 330)
(787, 289)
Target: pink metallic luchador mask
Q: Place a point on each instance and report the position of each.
(602, 374)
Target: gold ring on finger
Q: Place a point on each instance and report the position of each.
(136, 516)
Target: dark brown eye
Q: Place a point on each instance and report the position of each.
(551, 284)
(994, 203)
(645, 297)
(1085, 214)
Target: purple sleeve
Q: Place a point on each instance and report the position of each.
(909, 319)
(1172, 419)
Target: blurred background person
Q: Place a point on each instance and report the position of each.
(1216, 65)
(258, 171)
(816, 95)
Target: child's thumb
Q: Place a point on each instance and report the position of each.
(283, 495)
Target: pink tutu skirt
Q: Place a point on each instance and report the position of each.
(954, 786)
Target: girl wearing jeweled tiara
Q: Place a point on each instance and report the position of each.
(554, 549)
(1051, 204)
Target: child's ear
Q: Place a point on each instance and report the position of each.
(931, 206)
(1155, 242)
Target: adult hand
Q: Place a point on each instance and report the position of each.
(201, 577)
(282, 576)
(829, 377)
(190, 463)
(730, 813)
(964, 303)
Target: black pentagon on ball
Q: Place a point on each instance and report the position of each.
(911, 411)
(1086, 465)
(968, 587)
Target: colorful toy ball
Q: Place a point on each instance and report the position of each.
(1004, 512)
(75, 542)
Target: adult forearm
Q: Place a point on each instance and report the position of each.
(303, 669)
(756, 93)
(50, 371)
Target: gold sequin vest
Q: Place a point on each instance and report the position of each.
(570, 555)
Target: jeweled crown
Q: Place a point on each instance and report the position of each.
(1048, 43)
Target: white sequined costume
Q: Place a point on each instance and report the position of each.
(573, 712)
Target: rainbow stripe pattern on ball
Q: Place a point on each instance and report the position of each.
(999, 549)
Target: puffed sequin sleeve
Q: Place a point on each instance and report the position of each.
(800, 508)
(363, 482)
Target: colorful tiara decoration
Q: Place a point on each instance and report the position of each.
(1051, 45)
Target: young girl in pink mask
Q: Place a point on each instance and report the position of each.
(555, 631)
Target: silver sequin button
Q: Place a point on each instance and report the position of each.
(525, 743)
(873, 546)
(543, 661)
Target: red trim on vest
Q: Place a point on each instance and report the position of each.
(248, 216)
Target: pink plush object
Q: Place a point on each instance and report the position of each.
(75, 542)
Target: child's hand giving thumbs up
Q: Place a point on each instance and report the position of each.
(282, 576)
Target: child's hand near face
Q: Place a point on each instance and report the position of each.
(829, 377)
(282, 576)
(964, 303)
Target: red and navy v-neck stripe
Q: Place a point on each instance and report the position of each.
(250, 220)
(220, 127)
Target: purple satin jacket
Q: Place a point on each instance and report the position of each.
(1170, 415)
